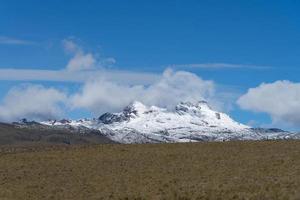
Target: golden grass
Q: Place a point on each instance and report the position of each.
(229, 170)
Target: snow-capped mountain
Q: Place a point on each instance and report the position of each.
(187, 122)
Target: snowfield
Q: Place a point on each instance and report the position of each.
(187, 122)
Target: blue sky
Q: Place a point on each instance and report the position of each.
(258, 39)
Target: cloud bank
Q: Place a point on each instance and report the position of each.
(100, 95)
(33, 102)
(102, 90)
(281, 100)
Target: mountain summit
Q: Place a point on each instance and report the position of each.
(187, 122)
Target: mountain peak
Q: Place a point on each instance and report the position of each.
(190, 121)
(192, 107)
(135, 108)
(194, 103)
(131, 111)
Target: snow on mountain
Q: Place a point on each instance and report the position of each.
(187, 122)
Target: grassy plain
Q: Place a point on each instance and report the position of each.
(225, 170)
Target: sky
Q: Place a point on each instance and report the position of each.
(82, 58)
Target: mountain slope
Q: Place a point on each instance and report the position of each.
(30, 133)
(187, 122)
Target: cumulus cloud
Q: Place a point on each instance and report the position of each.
(32, 102)
(102, 90)
(81, 60)
(281, 100)
(178, 86)
(101, 95)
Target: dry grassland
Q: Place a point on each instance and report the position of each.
(228, 170)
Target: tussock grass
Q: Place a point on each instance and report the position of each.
(228, 170)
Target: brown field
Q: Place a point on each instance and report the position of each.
(229, 170)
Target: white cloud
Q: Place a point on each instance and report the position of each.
(102, 90)
(219, 66)
(70, 46)
(83, 61)
(119, 76)
(108, 94)
(281, 100)
(80, 68)
(32, 102)
(174, 87)
(14, 41)
(101, 95)
(80, 60)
